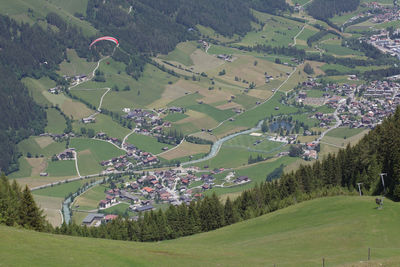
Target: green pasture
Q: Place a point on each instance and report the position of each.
(91, 96)
(143, 91)
(174, 117)
(60, 191)
(182, 53)
(147, 143)
(248, 141)
(55, 122)
(61, 168)
(75, 65)
(344, 132)
(104, 124)
(48, 149)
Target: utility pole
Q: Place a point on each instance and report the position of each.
(383, 181)
(359, 187)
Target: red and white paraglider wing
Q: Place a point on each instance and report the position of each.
(105, 38)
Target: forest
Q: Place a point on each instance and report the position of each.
(325, 9)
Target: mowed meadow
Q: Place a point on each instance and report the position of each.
(337, 229)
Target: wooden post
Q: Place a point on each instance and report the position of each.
(369, 253)
(323, 262)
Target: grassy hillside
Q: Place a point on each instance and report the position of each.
(340, 229)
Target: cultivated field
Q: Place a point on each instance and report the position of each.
(184, 150)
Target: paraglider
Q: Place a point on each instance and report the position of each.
(105, 38)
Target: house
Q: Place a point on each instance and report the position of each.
(128, 196)
(242, 179)
(148, 189)
(111, 199)
(104, 204)
(144, 208)
(66, 154)
(165, 196)
(93, 219)
(89, 120)
(108, 218)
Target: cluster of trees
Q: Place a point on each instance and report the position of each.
(172, 137)
(381, 74)
(18, 208)
(252, 160)
(324, 9)
(198, 140)
(291, 51)
(308, 69)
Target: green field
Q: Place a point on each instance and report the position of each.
(61, 191)
(344, 132)
(278, 31)
(39, 90)
(100, 150)
(36, 88)
(91, 198)
(247, 142)
(256, 172)
(61, 168)
(230, 157)
(41, 146)
(174, 117)
(339, 229)
(91, 96)
(117, 209)
(182, 53)
(91, 152)
(25, 169)
(144, 91)
(147, 143)
(104, 124)
(339, 50)
(55, 122)
(75, 65)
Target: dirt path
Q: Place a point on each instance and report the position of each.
(297, 35)
(76, 163)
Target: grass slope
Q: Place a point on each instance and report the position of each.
(340, 229)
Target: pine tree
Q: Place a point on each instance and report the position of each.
(30, 216)
(230, 213)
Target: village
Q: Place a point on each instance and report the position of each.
(149, 190)
(385, 43)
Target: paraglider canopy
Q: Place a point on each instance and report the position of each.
(105, 38)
